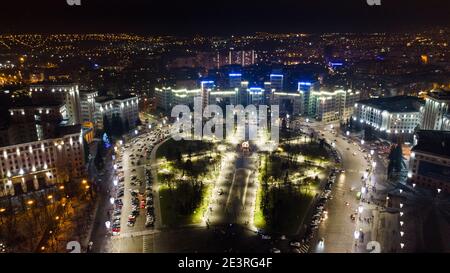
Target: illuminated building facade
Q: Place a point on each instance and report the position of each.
(34, 165)
(51, 92)
(328, 106)
(436, 110)
(126, 107)
(391, 117)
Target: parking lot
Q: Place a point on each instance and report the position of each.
(132, 197)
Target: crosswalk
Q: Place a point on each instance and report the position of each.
(304, 248)
(135, 234)
(147, 246)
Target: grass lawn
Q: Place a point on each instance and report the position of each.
(170, 216)
(173, 216)
(197, 217)
(287, 209)
(282, 204)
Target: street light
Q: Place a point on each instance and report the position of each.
(347, 133)
(402, 245)
(111, 200)
(30, 202)
(402, 233)
(362, 141)
(401, 223)
(401, 205)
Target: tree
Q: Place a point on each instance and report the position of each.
(396, 160)
(127, 126)
(98, 161)
(86, 150)
(138, 122)
(107, 126)
(117, 125)
(368, 133)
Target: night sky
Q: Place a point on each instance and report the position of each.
(189, 17)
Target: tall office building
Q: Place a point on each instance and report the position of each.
(436, 110)
(55, 92)
(305, 87)
(88, 109)
(235, 80)
(334, 105)
(276, 81)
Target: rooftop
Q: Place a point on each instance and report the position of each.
(434, 142)
(102, 99)
(439, 94)
(395, 104)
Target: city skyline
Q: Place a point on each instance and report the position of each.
(225, 128)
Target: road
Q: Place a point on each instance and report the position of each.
(338, 231)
